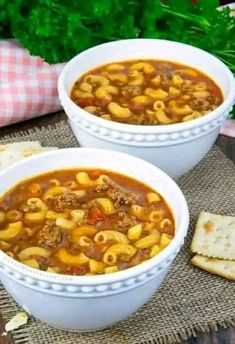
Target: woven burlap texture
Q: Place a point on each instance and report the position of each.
(190, 300)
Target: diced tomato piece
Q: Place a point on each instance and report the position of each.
(96, 214)
(85, 102)
(95, 174)
(79, 270)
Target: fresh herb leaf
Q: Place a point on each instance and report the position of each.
(232, 114)
(57, 30)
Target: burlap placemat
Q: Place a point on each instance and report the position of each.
(190, 300)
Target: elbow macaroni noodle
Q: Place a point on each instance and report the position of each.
(134, 233)
(2, 216)
(38, 212)
(54, 182)
(111, 254)
(149, 240)
(71, 259)
(96, 267)
(33, 263)
(14, 215)
(84, 241)
(53, 215)
(104, 236)
(64, 223)
(54, 191)
(11, 231)
(106, 204)
(137, 211)
(136, 78)
(28, 252)
(85, 180)
(77, 215)
(83, 230)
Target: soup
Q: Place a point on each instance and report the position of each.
(84, 222)
(146, 92)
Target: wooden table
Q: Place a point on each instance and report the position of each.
(227, 145)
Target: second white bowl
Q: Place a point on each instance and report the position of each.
(175, 148)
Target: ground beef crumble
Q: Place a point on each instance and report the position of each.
(125, 220)
(118, 195)
(131, 91)
(50, 235)
(200, 103)
(165, 81)
(65, 201)
(142, 118)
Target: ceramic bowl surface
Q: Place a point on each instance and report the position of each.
(86, 303)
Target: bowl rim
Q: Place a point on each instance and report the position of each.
(151, 263)
(123, 127)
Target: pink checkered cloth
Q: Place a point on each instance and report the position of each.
(28, 85)
(228, 128)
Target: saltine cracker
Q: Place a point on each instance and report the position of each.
(214, 236)
(221, 267)
(13, 152)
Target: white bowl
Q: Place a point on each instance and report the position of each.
(85, 303)
(175, 148)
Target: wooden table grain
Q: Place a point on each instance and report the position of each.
(227, 145)
(4, 339)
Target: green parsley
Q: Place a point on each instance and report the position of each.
(57, 30)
